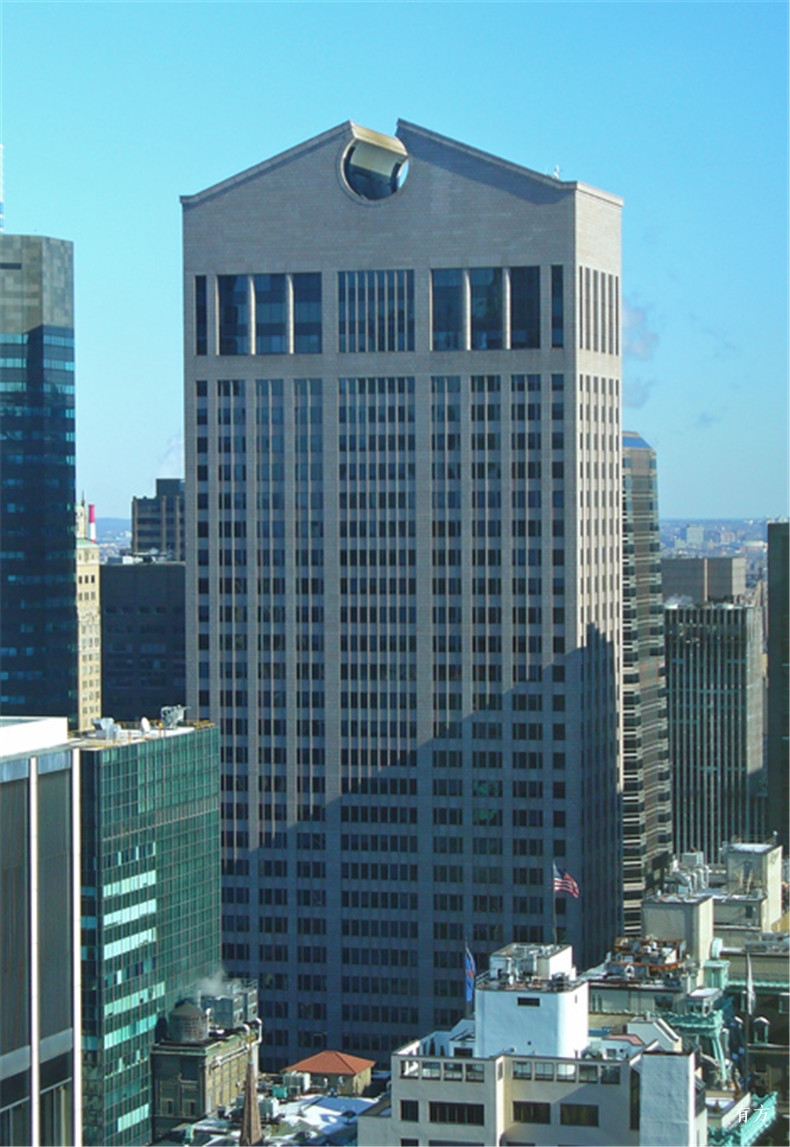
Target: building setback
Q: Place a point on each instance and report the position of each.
(647, 809)
(150, 907)
(38, 611)
(403, 570)
(715, 707)
(40, 1068)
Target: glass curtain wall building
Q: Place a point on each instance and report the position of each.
(38, 610)
(647, 808)
(40, 1068)
(150, 907)
(403, 570)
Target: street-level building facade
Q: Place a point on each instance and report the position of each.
(403, 546)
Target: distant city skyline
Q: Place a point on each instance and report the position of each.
(100, 144)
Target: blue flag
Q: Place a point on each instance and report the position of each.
(469, 974)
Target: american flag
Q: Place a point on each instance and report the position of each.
(564, 882)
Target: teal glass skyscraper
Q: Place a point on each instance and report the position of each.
(38, 613)
(150, 908)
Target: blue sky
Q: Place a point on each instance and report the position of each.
(110, 111)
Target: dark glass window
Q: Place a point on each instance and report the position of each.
(409, 1110)
(448, 310)
(233, 314)
(525, 1112)
(524, 307)
(307, 313)
(579, 1114)
(54, 900)
(557, 308)
(375, 310)
(486, 297)
(469, 1113)
(201, 315)
(271, 336)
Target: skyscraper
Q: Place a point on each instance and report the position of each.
(403, 573)
(647, 809)
(38, 613)
(150, 907)
(158, 522)
(142, 617)
(715, 709)
(89, 619)
(778, 766)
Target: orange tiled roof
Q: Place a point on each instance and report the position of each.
(332, 1063)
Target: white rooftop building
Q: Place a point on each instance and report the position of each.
(524, 1070)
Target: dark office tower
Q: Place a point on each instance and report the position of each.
(38, 606)
(715, 708)
(778, 757)
(40, 1066)
(647, 811)
(150, 907)
(403, 570)
(142, 618)
(158, 522)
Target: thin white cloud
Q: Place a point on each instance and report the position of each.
(637, 392)
(171, 463)
(639, 340)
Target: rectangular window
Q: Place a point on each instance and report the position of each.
(486, 308)
(375, 311)
(271, 336)
(525, 1112)
(557, 308)
(307, 313)
(579, 1114)
(233, 314)
(409, 1110)
(524, 307)
(201, 315)
(448, 310)
(472, 1114)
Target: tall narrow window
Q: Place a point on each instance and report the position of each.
(486, 306)
(557, 308)
(524, 307)
(233, 314)
(448, 310)
(307, 313)
(201, 315)
(270, 314)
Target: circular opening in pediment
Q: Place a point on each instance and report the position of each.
(374, 172)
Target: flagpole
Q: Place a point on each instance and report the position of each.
(553, 907)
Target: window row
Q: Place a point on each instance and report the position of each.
(259, 314)
(478, 308)
(494, 308)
